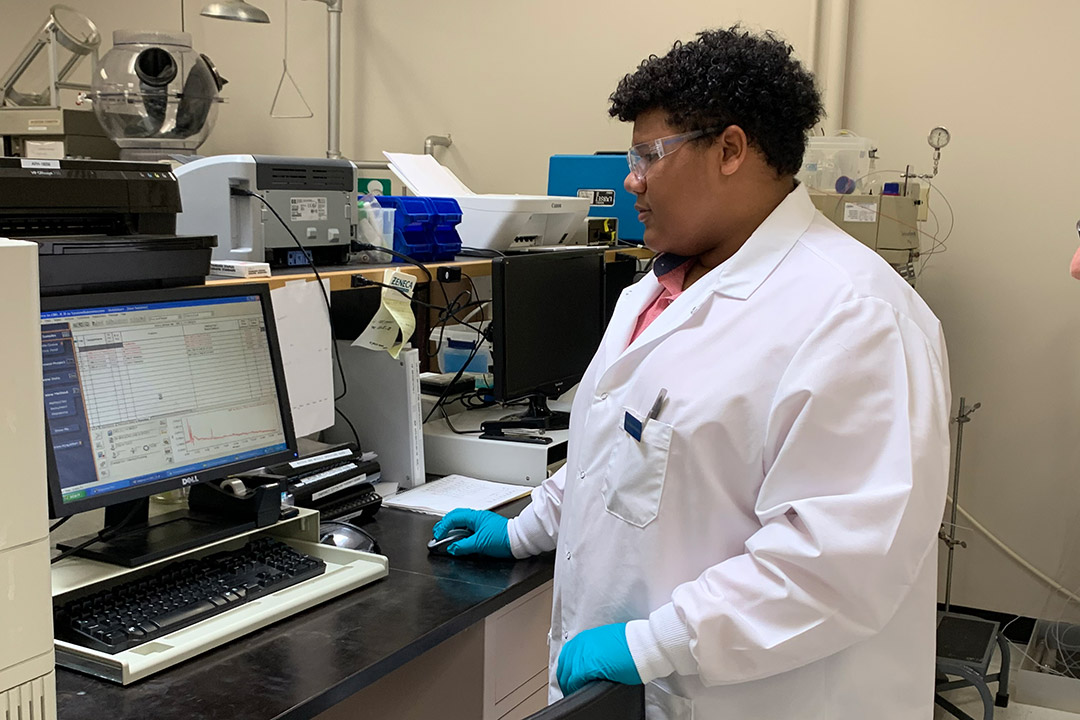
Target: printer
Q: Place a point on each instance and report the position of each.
(490, 221)
(314, 197)
(100, 225)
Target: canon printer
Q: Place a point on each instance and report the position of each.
(101, 225)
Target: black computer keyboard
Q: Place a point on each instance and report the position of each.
(181, 594)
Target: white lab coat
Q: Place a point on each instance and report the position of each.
(773, 534)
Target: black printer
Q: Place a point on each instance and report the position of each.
(101, 225)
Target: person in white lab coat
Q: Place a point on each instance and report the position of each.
(759, 450)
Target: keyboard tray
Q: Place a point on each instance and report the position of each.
(345, 570)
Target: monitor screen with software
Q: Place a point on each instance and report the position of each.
(151, 391)
(547, 317)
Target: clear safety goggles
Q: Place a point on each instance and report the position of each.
(644, 155)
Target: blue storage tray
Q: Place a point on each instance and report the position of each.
(446, 241)
(413, 226)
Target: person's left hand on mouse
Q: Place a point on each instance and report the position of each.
(600, 653)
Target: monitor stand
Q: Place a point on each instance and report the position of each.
(538, 416)
(143, 540)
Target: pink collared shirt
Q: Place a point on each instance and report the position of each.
(671, 283)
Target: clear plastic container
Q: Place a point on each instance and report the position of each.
(155, 95)
(456, 347)
(376, 225)
(837, 164)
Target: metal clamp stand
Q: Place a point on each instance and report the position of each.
(965, 644)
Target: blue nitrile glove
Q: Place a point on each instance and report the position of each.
(489, 534)
(600, 653)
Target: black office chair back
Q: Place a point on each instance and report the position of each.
(600, 700)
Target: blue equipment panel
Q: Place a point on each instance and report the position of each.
(600, 178)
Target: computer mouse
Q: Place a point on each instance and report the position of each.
(345, 535)
(439, 547)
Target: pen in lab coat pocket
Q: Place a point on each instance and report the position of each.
(634, 427)
(657, 405)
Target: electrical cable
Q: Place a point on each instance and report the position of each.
(446, 390)
(400, 256)
(348, 422)
(446, 313)
(326, 299)
(366, 281)
(1023, 652)
(475, 400)
(478, 306)
(938, 246)
(1046, 579)
(476, 297)
(451, 311)
(478, 343)
(453, 429)
(59, 522)
(103, 534)
(481, 252)
(638, 274)
(948, 234)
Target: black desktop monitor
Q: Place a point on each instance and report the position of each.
(151, 391)
(547, 320)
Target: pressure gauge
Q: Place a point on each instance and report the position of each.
(938, 138)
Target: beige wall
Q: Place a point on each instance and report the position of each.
(1004, 83)
(516, 81)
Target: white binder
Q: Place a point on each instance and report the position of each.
(383, 404)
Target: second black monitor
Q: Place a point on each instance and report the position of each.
(548, 317)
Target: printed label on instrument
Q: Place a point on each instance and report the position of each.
(326, 474)
(38, 164)
(320, 458)
(860, 212)
(340, 486)
(598, 198)
(305, 209)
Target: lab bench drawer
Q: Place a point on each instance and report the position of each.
(516, 652)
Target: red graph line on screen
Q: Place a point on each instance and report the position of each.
(192, 437)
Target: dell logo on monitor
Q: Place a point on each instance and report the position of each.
(189, 480)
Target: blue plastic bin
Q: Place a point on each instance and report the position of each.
(447, 242)
(413, 225)
(425, 228)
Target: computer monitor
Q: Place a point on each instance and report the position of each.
(547, 320)
(146, 392)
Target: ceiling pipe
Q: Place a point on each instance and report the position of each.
(815, 30)
(835, 64)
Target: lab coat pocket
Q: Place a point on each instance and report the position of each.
(634, 480)
(662, 704)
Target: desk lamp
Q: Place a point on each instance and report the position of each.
(246, 12)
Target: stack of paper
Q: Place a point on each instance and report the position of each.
(423, 175)
(439, 497)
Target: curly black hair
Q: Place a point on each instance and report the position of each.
(729, 77)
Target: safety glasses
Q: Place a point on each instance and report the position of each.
(644, 155)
